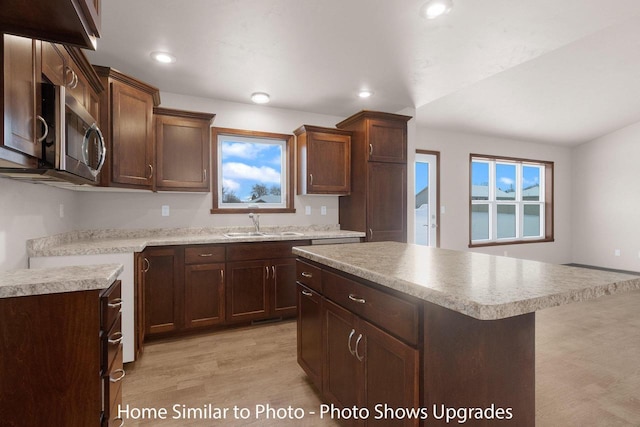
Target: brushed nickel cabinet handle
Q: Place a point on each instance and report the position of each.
(354, 298)
(308, 275)
(146, 261)
(116, 303)
(204, 174)
(370, 234)
(267, 271)
(371, 149)
(273, 271)
(67, 73)
(116, 338)
(117, 379)
(352, 351)
(310, 179)
(222, 276)
(151, 173)
(205, 255)
(121, 421)
(357, 345)
(307, 293)
(46, 128)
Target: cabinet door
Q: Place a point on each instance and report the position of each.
(203, 295)
(53, 64)
(246, 291)
(22, 125)
(387, 202)
(387, 140)
(391, 374)
(162, 290)
(283, 278)
(132, 143)
(310, 334)
(182, 154)
(328, 163)
(342, 374)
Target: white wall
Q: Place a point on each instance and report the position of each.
(606, 200)
(454, 151)
(31, 210)
(143, 209)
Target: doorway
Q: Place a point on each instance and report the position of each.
(427, 198)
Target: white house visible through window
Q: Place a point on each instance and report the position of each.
(252, 171)
(511, 200)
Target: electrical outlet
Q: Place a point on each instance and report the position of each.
(442, 210)
(307, 210)
(165, 210)
(616, 252)
(506, 253)
(323, 210)
(61, 210)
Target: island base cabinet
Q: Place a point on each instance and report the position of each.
(480, 364)
(367, 368)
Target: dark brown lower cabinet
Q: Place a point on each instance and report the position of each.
(310, 334)
(203, 295)
(366, 367)
(162, 290)
(61, 359)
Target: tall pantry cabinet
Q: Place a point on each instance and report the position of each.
(378, 201)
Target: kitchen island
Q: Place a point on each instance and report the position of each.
(456, 329)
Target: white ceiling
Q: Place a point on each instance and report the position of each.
(555, 71)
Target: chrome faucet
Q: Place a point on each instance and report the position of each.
(256, 221)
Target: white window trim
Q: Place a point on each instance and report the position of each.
(518, 202)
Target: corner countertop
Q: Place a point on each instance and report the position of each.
(92, 242)
(41, 281)
(482, 286)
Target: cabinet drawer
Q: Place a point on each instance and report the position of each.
(113, 384)
(111, 305)
(395, 315)
(266, 250)
(204, 254)
(309, 275)
(112, 344)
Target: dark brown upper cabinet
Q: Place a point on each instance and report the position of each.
(70, 22)
(126, 121)
(377, 204)
(323, 160)
(182, 150)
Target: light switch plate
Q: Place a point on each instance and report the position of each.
(307, 210)
(165, 210)
(323, 210)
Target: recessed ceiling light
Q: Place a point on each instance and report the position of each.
(435, 8)
(260, 97)
(365, 93)
(163, 57)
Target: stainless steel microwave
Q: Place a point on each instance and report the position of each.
(73, 148)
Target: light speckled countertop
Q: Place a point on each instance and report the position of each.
(482, 286)
(40, 281)
(93, 242)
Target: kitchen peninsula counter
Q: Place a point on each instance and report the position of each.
(449, 331)
(43, 281)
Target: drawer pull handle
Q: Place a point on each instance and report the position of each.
(357, 345)
(205, 255)
(116, 303)
(308, 275)
(306, 293)
(118, 379)
(121, 421)
(352, 351)
(115, 338)
(354, 298)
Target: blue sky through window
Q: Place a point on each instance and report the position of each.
(245, 164)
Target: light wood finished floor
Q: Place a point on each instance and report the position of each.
(587, 370)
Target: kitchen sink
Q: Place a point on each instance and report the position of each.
(262, 234)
